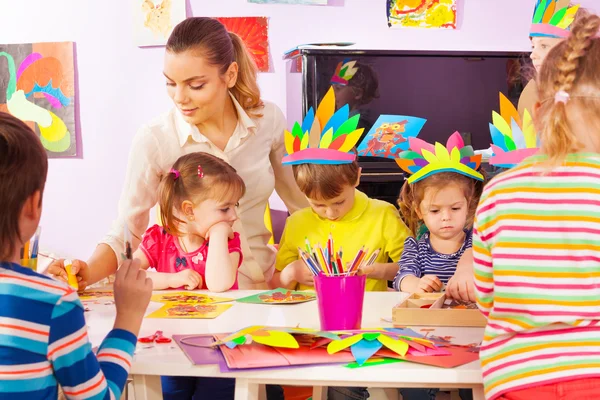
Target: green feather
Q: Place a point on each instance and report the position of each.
(347, 127)
(467, 151)
(539, 12)
(558, 16)
(409, 155)
(297, 131)
(510, 144)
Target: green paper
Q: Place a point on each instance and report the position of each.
(558, 16)
(272, 297)
(510, 144)
(239, 340)
(347, 127)
(373, 362)
(409, 155)
(539, 12)
(371, 336)
(297, 130)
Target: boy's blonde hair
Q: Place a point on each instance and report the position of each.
(325, 181)
(572, 67)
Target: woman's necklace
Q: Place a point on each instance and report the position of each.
(182, 244)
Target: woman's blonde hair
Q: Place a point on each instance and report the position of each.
(210, 38)
(571, 67)
(412, 195)
(196, 177)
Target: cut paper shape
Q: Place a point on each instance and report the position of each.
(454, 157)
(190, 311)
(365, 349)
(279, 296)
(154, 20)
(254, 31)
(388, 137)
(512, 141)
(37, 85)
(271, 336)
(188, 297)
(365, 345)
(306, 2)
(553, 19)
(324, 137)
(439, 14)
(344, 71)
(96, 294)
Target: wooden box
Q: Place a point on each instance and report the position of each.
(411, 312)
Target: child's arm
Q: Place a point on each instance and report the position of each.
(188, 278)
(294, 273)
(221, 265)
(385, 271)
(461, 285)
(409, 277)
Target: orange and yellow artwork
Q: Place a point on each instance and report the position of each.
(37, 85)
(254, 31)
(421, 14)
(188, 297)
(186, 311)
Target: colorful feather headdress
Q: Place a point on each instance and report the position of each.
(344, 72)
(553, 19)
(326, 137)
(513, 141)
(424, 159)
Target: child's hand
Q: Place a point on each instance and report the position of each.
(298, 272)
(56, 270)
(429, 283)
(220, 228)
(461, 286)
(132, 294)
(188, 278)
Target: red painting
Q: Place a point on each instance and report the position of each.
(254, 31)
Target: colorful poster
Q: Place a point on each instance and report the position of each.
(37, 85)
(421, 14)
(309, 2)
(185, 311)
(95, 294)
(389, 135)
(154, 20)
(279, 296)
(254, 31)
(188, 297)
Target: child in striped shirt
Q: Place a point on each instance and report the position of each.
(536, 236)
(445, 203)
(43, 336)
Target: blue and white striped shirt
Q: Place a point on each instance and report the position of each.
(419, 259)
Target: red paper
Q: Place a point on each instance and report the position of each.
(254, 31)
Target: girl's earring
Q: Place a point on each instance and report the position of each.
(190, 217)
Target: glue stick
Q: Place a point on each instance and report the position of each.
(71, 278)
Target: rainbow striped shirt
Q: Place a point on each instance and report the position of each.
(43, 341)
(536, 245)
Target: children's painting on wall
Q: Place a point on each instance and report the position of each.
(254, 31)
(37, 85)
(309, 2)
(422, 13)
(155, 19)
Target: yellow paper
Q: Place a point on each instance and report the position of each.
(326, 108)
(276, 339)
(338, 345)
(351, 140)
(190, 311)
(95, 294)
(396, 345)
(188, 297)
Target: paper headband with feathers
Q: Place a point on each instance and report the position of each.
(325, 137)
(344, 72)
(553, 19)
(424, 159)
(513, 140)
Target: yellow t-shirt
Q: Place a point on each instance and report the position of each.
(371, 223)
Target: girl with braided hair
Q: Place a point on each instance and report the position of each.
(535, 241)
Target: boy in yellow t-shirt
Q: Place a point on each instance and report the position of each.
(328, 176)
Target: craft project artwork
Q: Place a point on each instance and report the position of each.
(279, 296)
(344, 71)
(553, 18)
(421, 13)
(154, 20)
(96, 294)
(389, 136)
(424, 159)
(513, 140)
(271, 336)
(324, 137)
(188, 297)
(305, 2)
(254, 31)
(190, 311)
(37, 85)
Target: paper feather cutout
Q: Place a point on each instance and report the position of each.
(553, 18)
(344, 71)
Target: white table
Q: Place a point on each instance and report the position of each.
(150, 363)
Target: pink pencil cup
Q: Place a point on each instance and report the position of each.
(340, 300)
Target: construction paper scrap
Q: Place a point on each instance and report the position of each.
(397, 345)
(373, 362)
(439, 14)
(95, 294)
(307, 2)
(199, 350)
(405, 332)
(438, 351)
(458, 356)
(336, 346)
(388, 137)
(364, 349)
(188, 297)
(276, 339)
(254, 31)
(279, 296)
(37, 86)
(191, 311)
(154, 20)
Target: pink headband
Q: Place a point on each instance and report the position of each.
(175, 172)
(561, 97)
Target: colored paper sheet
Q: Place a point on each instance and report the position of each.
(279, 296)
(364, 350)
(188, 297)
(154, 20)
(254, 31)
(191, 311)
(95, 294)
(388, 137)
(440, 14)
(37, 85)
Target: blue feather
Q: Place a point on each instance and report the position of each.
(308, 120)
(337, 119)
(497, 137)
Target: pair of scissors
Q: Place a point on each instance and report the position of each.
(156, 337)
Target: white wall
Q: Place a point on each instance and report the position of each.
(121, 86)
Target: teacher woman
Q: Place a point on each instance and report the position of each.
(211, 78)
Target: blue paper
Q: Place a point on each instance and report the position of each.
(498, 137)
(390, 141)
(364, 350)
(405, 332)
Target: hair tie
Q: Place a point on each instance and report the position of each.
(174, 172)
(200, 172)
(561, 97)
